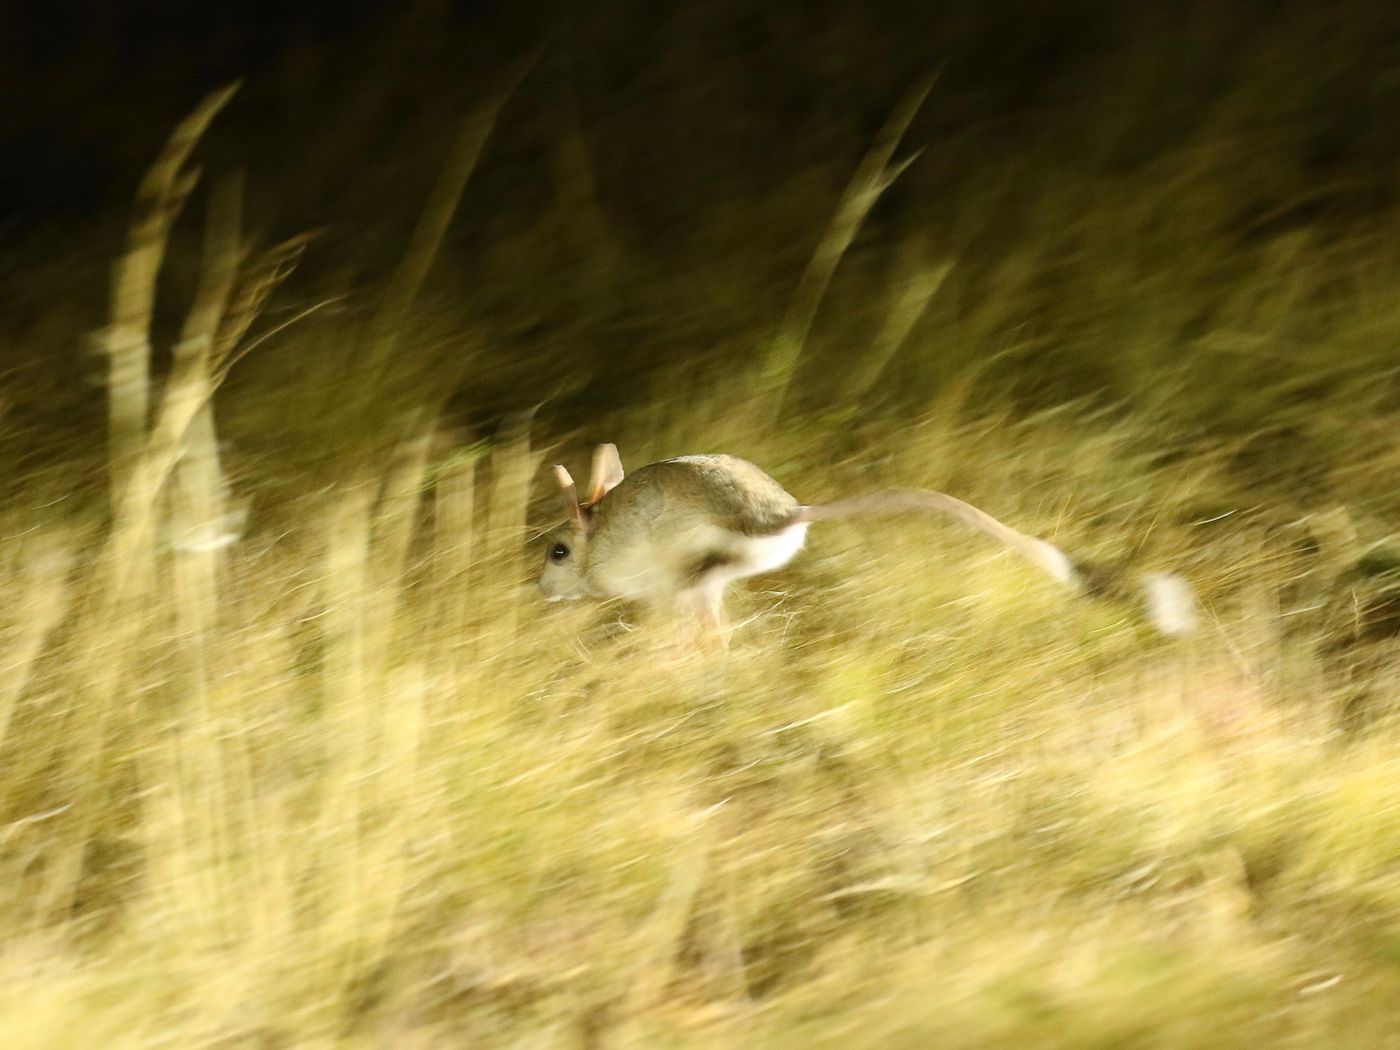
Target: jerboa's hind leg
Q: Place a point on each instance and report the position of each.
(707, 602)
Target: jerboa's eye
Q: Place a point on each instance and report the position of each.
(558, 552)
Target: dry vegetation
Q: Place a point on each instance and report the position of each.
(333, 777)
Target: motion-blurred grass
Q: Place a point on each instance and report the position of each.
(377, 794)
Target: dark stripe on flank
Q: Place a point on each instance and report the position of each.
(711, 561)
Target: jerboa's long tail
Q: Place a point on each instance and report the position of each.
(898, 501)
(1169, 599)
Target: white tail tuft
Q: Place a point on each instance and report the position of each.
(1056, 562)
(1171, 604)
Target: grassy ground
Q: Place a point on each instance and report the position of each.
(331, 775)
(386, 799)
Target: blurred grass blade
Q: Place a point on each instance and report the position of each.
(44, 597)
(396, 514)
(916, 282)
(394, 522)
(184, 398)
(346, 588)
(513, 464)
(455, 552)
(159, 199)
(871, 178)
(255, 285)
(197, 510)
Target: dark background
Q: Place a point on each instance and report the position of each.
(657, 183)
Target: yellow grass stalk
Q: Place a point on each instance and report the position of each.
(455, 554)
(127, 342)
(513, 468)
(394, 522)
(396, 513)
(454, 511)
(374, 718)
(197, 506)
(194, 778)
(182, 401)
(45, 591)
(346, 589)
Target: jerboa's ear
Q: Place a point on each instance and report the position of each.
(577, 518)
(607, 473)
